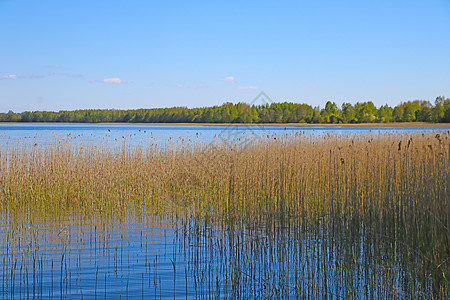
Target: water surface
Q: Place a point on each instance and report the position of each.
(163, 135)
(192, 255)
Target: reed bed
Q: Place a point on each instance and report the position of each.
(348, 215)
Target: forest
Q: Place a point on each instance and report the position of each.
(283, 112)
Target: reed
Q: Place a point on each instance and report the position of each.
(380, 200)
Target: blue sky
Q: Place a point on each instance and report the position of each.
(64, 55)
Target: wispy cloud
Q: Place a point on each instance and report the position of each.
(8, 76)
(48, 74)
(66, 74)
(182, 86)
(112, 80)
(229, 79)
(249, 87)
(33, 76)
(55, 66)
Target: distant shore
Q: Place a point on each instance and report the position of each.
(397, 124)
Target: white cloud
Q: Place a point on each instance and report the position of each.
(229, 79)
(8, 77)
(249, 87)
(112, 80)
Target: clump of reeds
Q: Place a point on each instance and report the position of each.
(389, 189)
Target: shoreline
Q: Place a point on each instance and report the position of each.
(396, 125)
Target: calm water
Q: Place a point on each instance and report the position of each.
(190, 256)
(163, 134)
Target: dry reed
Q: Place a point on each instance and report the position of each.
(388, 188)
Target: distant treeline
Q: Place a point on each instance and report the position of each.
(286, 112)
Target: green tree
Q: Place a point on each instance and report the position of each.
(397, 114)
(366, 112)
(348, 113)
(385, 114)
(12, 117)
(445, 104)
(316, 115)
(424, 114)
(303, 113)
(332, 113)
(409, 111)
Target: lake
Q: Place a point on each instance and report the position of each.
(259, 212)
(162, 133)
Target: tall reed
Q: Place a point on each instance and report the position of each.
(386, 192)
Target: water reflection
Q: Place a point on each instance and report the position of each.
(163, 135)
(196, 257)
(285, 215)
